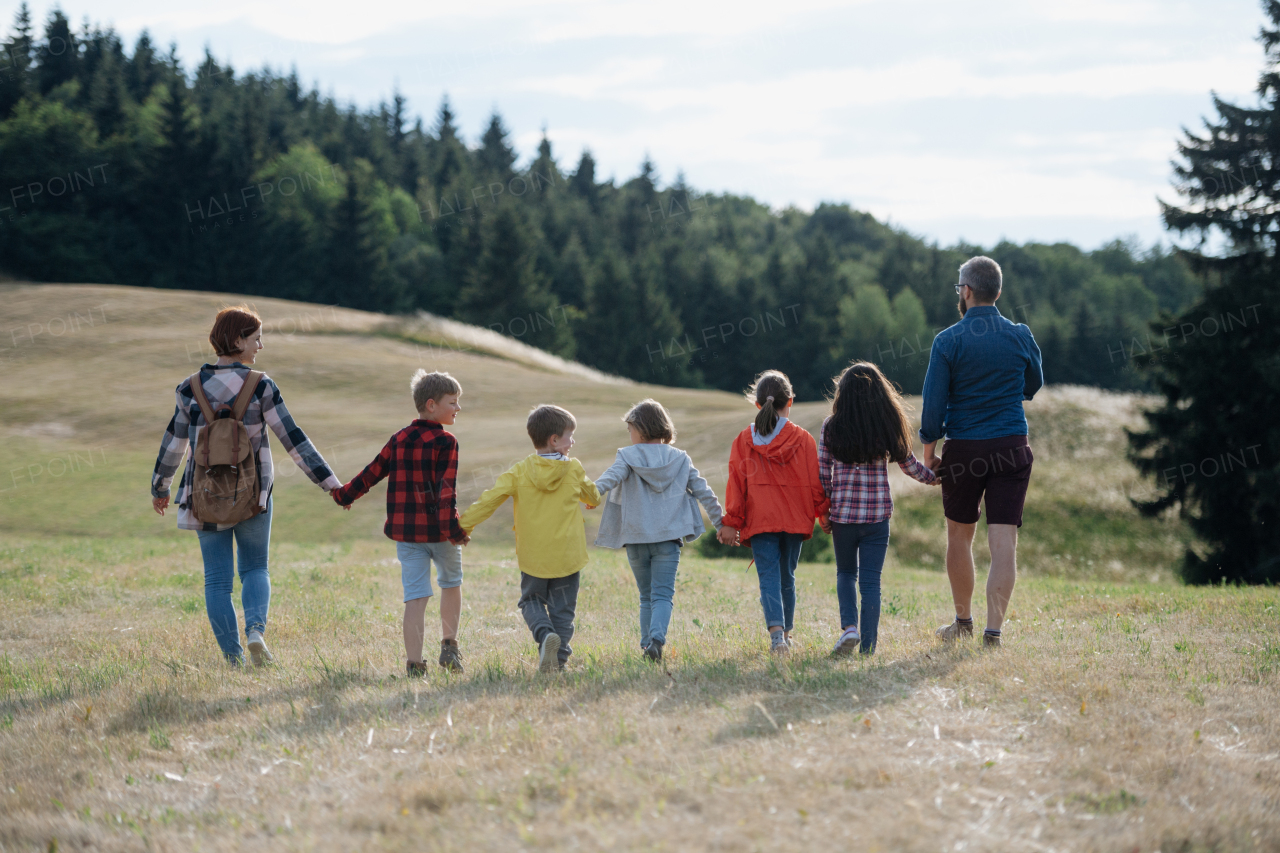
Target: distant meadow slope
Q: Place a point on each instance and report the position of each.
(90, 372)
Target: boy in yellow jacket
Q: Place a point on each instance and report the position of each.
(551, 539)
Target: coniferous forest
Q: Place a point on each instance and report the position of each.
(119, 165)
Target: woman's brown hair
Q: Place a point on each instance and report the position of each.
(868, 422)
(232, 324)
(772, 390)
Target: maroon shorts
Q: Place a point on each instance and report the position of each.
(995, 468)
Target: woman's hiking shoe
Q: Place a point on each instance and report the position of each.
(258, 650)
(415, 669)
(654, 651)
(778, 643)
(549, 653)
(848, 642)
(990, 641)
(451, 656)
(955, 631)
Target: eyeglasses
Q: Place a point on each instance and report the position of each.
(958, 286)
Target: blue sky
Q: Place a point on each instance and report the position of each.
(975, 121)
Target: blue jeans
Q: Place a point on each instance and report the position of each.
(860, 552)
(655, 565)
(776, 556)
(252, 538)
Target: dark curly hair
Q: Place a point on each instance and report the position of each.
(868, 422)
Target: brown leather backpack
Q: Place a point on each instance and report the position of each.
(225, 487)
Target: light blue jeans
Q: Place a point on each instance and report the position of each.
(776, 555)
(252, 538)
(655, 565)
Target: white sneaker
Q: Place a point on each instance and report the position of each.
(549, 653)
(258, 650)
(847, 644)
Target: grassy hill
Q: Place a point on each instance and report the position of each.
(90, 372)
(1125, 712)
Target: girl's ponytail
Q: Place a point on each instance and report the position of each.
(772, 390)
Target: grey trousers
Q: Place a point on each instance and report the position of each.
(548, 605)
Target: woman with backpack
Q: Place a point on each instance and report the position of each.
(225, 492)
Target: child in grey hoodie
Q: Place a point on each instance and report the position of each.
(651, 509)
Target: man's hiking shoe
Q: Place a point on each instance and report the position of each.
(847, 644)
(654, 651)
(258, 650)
(778, 643)
(451, 656)
(955, 631)
(415, 669)
(991, 641)
(549, 653)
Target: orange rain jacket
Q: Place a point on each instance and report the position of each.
(774, 487)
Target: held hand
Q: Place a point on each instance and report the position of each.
(932, 462)
(333, 493)
(824, 524)
(160, 504)
(728, 535)
(466, 537)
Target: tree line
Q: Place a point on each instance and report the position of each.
(121, 166)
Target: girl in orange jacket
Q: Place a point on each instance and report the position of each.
(773, 498)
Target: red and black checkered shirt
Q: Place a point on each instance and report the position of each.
(422, 494)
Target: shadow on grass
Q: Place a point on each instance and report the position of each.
(802, 687)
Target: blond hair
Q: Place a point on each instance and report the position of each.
(432, 386)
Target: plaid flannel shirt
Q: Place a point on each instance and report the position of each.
(422, 493)
(266, 408)
(860, 493)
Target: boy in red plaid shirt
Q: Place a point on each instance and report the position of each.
(422, 514)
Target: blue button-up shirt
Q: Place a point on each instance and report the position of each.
(980, 371)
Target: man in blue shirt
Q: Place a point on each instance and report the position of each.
(980, 371)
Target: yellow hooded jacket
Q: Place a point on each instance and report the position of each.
(551, 536)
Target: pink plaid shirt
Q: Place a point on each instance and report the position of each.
(860, 493)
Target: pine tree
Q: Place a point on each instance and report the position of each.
(506, 292)
(14, 78)
(1212, 445)
(583, 182)
(58, 56)
(143, 71)
(496, 156)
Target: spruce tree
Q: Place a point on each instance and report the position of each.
(14, 78)
(58, 56)
(1211, 446)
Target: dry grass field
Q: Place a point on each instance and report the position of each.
(1125, 712)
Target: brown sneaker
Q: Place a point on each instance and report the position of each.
(415, 669)
(451, 656)
(991, 641)
(954, 631)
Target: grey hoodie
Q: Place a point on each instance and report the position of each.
(653, 494)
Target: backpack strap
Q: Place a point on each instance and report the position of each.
(197, 391)
(250, 385)
(241, 406)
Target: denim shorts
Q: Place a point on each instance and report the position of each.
(415, 566)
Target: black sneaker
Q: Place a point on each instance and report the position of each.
(451, 656)
(654, 651)
(415, 669)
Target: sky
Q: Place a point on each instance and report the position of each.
(975, 121)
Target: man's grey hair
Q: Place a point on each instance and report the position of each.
(982, 275)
